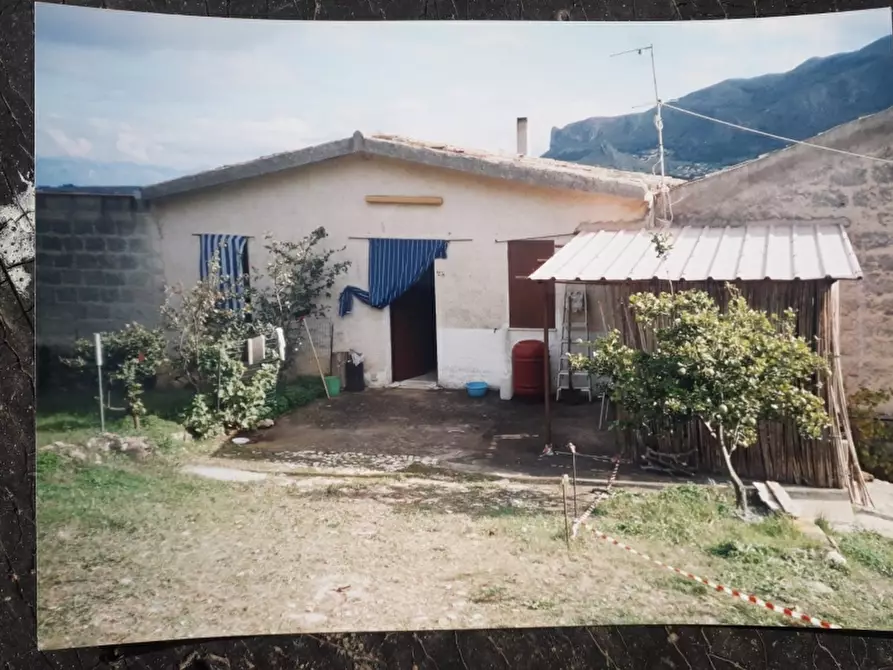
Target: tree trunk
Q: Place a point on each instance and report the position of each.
(740, 490)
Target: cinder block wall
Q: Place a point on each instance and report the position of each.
(98, 266)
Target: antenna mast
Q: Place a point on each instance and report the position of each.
(658, 121)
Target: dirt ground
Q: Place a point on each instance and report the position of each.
(317, 554)
(391, 429)
(131, 552)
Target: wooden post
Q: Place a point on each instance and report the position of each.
(567, 531)
(547, 372)
(574, 459)
(322, 376)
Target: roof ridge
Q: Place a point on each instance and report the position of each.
(535, 171)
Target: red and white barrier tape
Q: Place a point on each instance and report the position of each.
(604, 495)
(735, 593)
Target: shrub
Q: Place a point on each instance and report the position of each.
(301, 277)
(201, 321)
(295, 395)
(236, 403)
(131, 358)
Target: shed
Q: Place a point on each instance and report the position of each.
(775, 267)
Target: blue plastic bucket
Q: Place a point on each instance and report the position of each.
(476, 389)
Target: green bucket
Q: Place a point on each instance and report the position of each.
(333, 384)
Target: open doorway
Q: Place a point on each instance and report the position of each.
(414, 332)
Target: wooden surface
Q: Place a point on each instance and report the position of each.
(435, 200)
(788, 505)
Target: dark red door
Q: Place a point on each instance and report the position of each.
(414, 330)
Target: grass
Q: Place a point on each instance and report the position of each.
(692, 527)
(219, 556)
(869, 549)
(74, 417)
(678, 515)
(121, 512)
(770, 558)
(117, 496)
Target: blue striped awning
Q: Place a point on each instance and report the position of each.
(394, 266)
(232, 253)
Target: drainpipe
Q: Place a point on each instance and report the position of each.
(522, 135)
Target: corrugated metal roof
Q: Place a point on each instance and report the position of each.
(780, 252)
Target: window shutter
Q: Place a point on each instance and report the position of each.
(525, 296)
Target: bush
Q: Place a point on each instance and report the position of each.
(131, 358)
(208, 331)
(293, 396)
(237, 403)
(201, 323)
(301, 277)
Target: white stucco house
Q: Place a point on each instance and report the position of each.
(490, 220)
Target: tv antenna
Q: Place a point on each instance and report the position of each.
(658, 119)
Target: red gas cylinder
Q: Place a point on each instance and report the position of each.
(527, 368)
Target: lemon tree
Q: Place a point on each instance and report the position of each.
(727, 369)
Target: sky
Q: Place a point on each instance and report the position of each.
(191, 93)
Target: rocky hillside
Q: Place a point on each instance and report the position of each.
(813, 97)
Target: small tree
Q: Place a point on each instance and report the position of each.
(729, 370)
(301, 278)
(201, 317)
(132, 357)
(209, 333)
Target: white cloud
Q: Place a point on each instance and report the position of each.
(201, 140)
(77, 147)
(133, 146)
(215, 92)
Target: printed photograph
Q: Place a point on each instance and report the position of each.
(461, 325)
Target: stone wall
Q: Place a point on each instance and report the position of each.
(805, 184)
(98, 266)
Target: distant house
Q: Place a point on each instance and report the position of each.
(469, 226)
(802, 184)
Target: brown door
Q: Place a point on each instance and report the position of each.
(525, 297)
(414, 330)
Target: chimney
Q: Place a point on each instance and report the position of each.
(522, 135)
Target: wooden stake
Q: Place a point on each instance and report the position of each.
(574, 459)
(322, 376)
(567, 529)
(547, 368)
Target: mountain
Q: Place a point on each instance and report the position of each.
(52, 171)
(819, 94)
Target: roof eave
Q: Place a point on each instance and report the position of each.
(604, 280)
(255, 168)
(517, 172)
